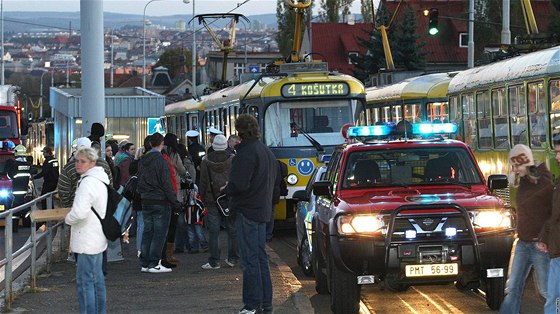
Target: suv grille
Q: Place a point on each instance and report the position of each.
(428, 226)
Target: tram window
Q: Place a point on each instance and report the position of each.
(483, 119)
(397, 114)
(438, 112)
(413, 113)
(499, 115)
(386, 114)
(537, 122)
(554, 92)
(455, 115)
(254, 111)
(518, 106)
(468, 118)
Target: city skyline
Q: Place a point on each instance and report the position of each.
(161, 8)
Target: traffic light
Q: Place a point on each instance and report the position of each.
(432, 15)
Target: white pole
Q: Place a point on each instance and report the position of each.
(2, 39)
(470, 48)
(193, 52)
(506, 33)
(112, 70)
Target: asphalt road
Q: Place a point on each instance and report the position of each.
(417, 299)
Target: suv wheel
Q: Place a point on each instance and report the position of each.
(345, 291)
(392, 282)
(321, 284)
(494, 292)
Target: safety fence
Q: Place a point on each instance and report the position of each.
(35, 239)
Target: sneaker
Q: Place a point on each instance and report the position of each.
(230, 264)
(159, 269)
(247, 311)
(144, 269)
(208, 266)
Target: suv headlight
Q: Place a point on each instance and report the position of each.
(492, 219)
(359, 224)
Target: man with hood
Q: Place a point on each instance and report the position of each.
(158, 201)
(214, 173)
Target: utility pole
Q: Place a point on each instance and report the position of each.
(470, 52)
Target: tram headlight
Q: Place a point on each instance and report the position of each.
(492, 219)
(359, 224)
(292, 179)
(4, 193)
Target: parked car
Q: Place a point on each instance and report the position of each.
(305, 209)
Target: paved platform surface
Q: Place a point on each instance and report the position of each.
(187, 289)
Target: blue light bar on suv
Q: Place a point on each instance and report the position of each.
(370, 130)
(434, 128)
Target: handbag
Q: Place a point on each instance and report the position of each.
(222, 201)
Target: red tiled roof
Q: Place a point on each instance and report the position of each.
(335, 40)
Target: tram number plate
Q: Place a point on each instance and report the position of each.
(427, 270)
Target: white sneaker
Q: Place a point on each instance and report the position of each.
(144, 269)
(159, 269)
(230, 264)
(208, 266)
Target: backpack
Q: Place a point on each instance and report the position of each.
(109, 224)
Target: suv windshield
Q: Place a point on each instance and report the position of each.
(411, 166)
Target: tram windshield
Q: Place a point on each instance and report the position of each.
(322, 120)
(8, 125)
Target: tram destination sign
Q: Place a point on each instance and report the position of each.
(315, 89)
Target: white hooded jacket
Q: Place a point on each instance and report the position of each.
(86, 233)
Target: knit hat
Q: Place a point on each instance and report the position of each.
(521, 155)
(220, 142)
(83, 142)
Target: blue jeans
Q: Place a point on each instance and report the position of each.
(139, 230)
(90, 283)
(214, 218)
(525, 255)
(181, 236)
(156, 223)
(552, 304)
(270, 226)
(257, 284)
(197, 239)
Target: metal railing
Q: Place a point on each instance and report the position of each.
(32, 245)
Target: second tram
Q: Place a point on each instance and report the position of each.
(300, 110)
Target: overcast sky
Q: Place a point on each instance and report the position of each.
(156, 8)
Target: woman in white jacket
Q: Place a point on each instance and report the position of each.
(87, 240)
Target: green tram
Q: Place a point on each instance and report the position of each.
(417, 99)
(514, 101)
(300, 110)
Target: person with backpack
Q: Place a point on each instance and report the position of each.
(158, 202)
(87, 239)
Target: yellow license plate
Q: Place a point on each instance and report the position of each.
(427, 270)
(2, 207)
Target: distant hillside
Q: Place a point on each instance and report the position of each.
(51, 21)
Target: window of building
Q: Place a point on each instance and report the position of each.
(463, 40)
(352, 55)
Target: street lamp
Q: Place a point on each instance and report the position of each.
(144, 44)
(41, 95)
(193, 52)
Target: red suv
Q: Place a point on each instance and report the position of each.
(408, 211)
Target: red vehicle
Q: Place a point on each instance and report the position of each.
(10, 126)
(408, 212)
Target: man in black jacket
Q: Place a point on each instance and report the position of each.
(49, 173)
(250, 188)
(158, 201)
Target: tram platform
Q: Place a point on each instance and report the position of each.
(187, 289)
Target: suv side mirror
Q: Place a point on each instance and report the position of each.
(322, 188)
(300, 195)
(497, 181)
